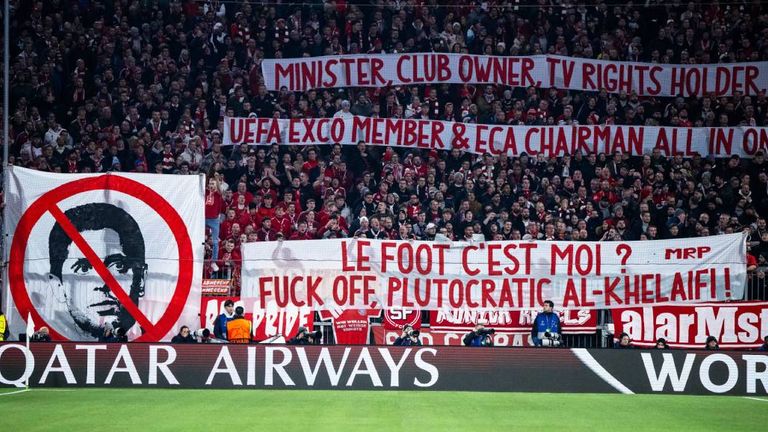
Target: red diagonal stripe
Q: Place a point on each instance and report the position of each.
(100, 268)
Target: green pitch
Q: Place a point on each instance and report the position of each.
(314, 411)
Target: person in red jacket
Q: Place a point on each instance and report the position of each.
(214, 207)
(242, 191)
(225, 229)
(267, 210)
(301, 233)
(282, 223)
(229, 261)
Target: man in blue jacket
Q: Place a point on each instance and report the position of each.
(546, 326)
(220, 324)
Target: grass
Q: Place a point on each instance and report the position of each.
(315, 411)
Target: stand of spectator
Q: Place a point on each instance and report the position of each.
(144, 86)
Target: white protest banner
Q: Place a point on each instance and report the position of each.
(497, 139)
(91, 252)
(571, 73)
(368, 274)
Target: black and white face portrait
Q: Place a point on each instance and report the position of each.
(116, 239)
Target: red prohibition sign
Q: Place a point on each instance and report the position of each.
(48, 202)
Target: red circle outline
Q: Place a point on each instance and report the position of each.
(107, 182)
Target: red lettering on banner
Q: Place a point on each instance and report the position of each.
(361, 261)
(656, 89)
(377, 65)
(751, 73)
(587, 70)
(723, 141)
(465, 261)
(235, 129)
(677, 81)
(580, 257)
(330, 73)
(686, 253)
(286, 290)
(284, 71)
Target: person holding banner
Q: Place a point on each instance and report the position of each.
(546, 326)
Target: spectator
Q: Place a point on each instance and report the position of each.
(712, 344)
(184, 336)
(764, 346)
(661, 343)
(625, 342)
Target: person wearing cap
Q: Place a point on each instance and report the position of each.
(239, 328)
(430, 232)
(220, 323)
(344, 112)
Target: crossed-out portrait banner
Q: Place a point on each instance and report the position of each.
(93, 253)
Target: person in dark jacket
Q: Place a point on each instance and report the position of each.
(108, 336)
(712, 344)
(305, 337)
(220, 324)
(546, 326)
(41, 335)
(625, 342)
(409, 337)
(184, 336)
(479, 337)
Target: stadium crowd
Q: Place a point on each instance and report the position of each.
(143, 86)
